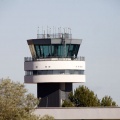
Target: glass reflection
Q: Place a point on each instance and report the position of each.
(46, 72)
(56, 50)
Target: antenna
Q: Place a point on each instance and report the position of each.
(53, 31)
(47, 29)
(60, 29)
(68, 30)
(50, 31)
(64, 30)
(70, 33)
(44, 34)
(42, 29)
(38, 33)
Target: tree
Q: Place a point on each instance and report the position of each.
(67, 103)
(83, 97)
(15, 102)
(47, 117)
(107, 101)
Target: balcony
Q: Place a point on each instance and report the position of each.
(28, 59)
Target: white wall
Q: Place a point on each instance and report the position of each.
(54, 78)
(80, 113)
(52, 65)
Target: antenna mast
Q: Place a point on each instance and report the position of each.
(38, 33)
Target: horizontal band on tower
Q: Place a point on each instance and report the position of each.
(52, 72)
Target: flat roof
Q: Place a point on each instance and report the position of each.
(53, 41)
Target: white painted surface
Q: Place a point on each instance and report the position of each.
(80, 113)
(54, 65)
(54, 78)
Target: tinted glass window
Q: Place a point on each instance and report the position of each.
(45, 72)
(56, 50)
(37, 50)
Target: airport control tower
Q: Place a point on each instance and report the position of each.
(54, 66)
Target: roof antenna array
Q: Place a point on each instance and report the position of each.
(66, 31)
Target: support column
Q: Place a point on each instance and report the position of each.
(52, 94)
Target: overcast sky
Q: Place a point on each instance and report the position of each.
(97, 22)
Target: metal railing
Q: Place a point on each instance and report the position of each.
(56, 35)
(81, 58)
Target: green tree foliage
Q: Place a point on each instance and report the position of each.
(83, 97)
(15, 102)
(107, 101)
(47, 117)
(67, 103)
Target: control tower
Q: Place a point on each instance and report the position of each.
(54, 66)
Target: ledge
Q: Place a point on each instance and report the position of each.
(80, 112)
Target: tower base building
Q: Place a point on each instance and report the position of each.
(54, 66)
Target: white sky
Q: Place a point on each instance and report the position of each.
(97, 22)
